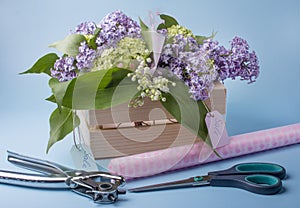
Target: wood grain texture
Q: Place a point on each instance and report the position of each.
(99, 127)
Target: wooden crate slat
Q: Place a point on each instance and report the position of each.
(108, 143)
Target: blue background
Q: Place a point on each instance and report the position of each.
(272, 28)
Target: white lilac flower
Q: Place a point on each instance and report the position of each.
(127, 53)
(149, 85)
(175, 30)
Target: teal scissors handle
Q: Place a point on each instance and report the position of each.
(256, 183)
(253, 168)
(261, 178)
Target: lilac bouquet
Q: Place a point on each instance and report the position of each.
(120, 60)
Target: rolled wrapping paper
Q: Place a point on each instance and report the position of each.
(151, 163)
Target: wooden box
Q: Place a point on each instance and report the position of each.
(121, 130)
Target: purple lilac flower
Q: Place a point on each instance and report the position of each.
(220, 56)
(86, 28)
(163, 31)
(235, 62)
(245, 64)
(172, 57)
(85, 57)
(116, 26)
(64, 69)
(252, 71)
(201, 73)
(190, 62)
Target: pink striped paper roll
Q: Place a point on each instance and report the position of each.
(151, 163)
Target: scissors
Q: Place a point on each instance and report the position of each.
(260, 178)
(101, 187)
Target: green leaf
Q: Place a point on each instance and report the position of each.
(51, 98)
(144, 27)
(200, 39)
(146, 34)
(79, 91)
(115, 95)
(168, 22)
(117, 92)
(117, 75)
(85, 86)
(188, 112)
(150, 36)
(62, 122)
(148, 39)
(69, 45)
(82, 94)
(92, 41)
(170, 40)
(94, 90)
(43, 65)
(58, 89)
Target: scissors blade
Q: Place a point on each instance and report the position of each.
(189, 182)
